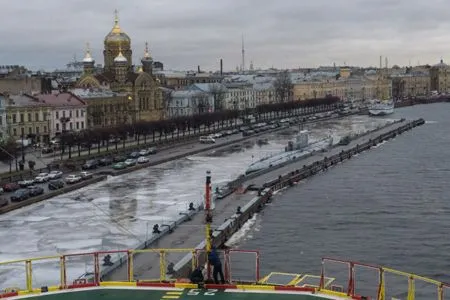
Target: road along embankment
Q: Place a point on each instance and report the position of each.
(65, 189)
(223, 233)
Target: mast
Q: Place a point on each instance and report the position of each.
(208, 214)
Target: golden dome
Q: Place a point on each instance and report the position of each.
(116, 35)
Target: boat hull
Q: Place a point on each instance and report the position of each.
(284, 157)
(381, 112)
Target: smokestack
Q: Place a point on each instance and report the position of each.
(221, 67)
(198, 69)
(381, 62)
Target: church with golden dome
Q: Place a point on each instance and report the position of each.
(141, 90)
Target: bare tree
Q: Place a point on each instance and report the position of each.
(218, 92)
(283, 87)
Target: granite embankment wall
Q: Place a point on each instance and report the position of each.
(233, 224)
(411, 102)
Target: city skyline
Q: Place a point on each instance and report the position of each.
(47, 33)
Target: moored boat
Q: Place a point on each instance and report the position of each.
(381, 108)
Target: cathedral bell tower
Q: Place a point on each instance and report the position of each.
(147, 61)
(114, 40)
(120, 67)
(88, 61)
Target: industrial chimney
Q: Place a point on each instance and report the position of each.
(198, 69)
(221, 67)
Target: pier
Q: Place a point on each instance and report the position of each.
(234, 210)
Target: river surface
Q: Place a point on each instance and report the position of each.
(388, 206)
(120, 213)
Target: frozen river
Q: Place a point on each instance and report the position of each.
(119, 213)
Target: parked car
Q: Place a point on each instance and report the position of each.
(47, 150)
(105, 161)
(25, 183)
(134, 155)
(119, 166)
(35, 190)
(119, 158)
(55, 174)
(42, 177)
(130, 162)
(143, 160)
(73, 179)
(143, 152)
(3, 202)
(55, 184)
(86, 175)
(207, 140)
(11, 187)
(20, 195)
(90, 164)
(152, 150)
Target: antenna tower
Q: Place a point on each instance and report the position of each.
(243, 54)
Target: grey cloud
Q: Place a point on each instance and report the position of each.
(184, 34)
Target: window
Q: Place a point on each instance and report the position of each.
(78, 125)
(57, 126)
(45, 128)
(37, 130)
(82, 113)
(70, 113)
(57, 114)
(14, 131)
(29, 117)
(1, 120)
(30, 130)
(82, 125)
(36, 117)
(77, 113)
(71, 125)
(22, 131)
(64, 113)
(14, 118)
(45, 116)
(22, 118)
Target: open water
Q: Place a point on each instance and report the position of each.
(388, 206)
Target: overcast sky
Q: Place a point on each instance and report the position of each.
(186, 33)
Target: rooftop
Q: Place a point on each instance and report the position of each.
(94, 93)
(24, 100)
(61, 99)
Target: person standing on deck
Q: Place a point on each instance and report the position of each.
(214, 260)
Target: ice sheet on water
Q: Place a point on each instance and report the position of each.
(73, 244)
(31, 218)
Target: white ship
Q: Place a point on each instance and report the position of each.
(297, 149)
(381, 108)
